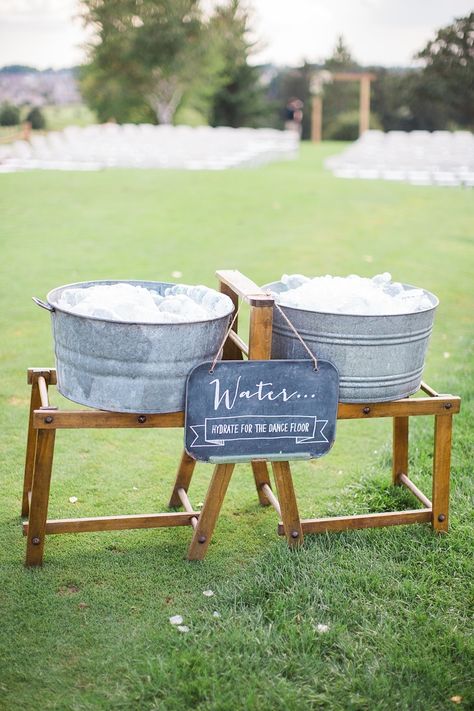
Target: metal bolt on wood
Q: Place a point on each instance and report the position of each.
(441, 518)
(36, 541)
(202, 539)
(48, 420)
(141, 419)
(295, 534)
(366, 410)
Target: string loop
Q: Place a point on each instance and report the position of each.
(309, 351)
(216, 357)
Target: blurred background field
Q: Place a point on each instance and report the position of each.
(90, 629)
(186, 63)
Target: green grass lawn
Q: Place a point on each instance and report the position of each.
(90, 629)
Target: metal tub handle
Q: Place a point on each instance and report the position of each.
(43, 304)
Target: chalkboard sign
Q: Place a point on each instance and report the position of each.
(271, 409)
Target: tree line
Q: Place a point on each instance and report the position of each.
(169, 61)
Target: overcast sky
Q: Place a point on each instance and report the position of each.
(47, 33)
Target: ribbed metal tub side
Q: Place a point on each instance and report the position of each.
(129, 367)
(379, 358)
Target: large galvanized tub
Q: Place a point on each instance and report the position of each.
(129, 367)
(379, 358)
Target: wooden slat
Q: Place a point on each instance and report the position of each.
(187, 506)
(210, 511)
(48, 373)
(43, 391)
(443, 405)
(316, 118)
(239, 343)
(271, 498)
(115, 523)
(231, 351)
(183, 478)
(261, 477)
(352, 76)
(35, 402)
(244, 287)
(260, 334)
(260, 347)
(40, 497)
(343, 523)
(96, 419)
(428, 390)
(403, 479)
(288, 506)
(364, 103)
(441, 472)
(399, 448)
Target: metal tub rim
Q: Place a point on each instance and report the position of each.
(135, 282)
(433, 298)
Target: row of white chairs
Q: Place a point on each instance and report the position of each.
(148, 146)
(418, 157)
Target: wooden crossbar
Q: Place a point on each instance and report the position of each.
(43, 390)
(117, 523)
(442, 405)
(239, 342)
(403, 479)
(344, 523)
(428, 390)
(97, 419)
(272, 498)
(244, 287)
(187, 505)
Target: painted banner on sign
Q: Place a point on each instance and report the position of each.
(244, 410)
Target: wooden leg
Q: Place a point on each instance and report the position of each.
(183, 479)
(40, 497)
(289, 508)
(210, 511)
(441, 472)
(400, 448)
(35, 403)
(261, 476)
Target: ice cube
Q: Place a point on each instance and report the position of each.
(354, 295)
(292, 281)
(381, 279)
(136, 304)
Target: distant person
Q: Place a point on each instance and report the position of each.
(294, 115)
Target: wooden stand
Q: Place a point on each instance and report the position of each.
(45, 419)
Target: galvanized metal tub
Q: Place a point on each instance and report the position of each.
(379, 358)
(128, 367)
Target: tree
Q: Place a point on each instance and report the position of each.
(341, 58)
(9, 115)
(239, 99)
(144, 55)
(36, 118)
(448, 75)
(341, 98)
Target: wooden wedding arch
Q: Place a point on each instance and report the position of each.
(364, 79)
